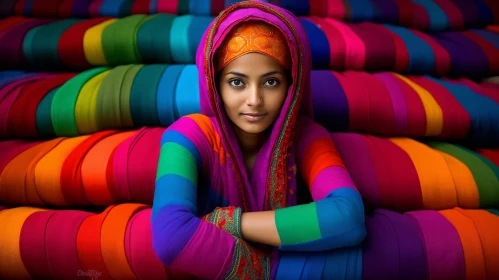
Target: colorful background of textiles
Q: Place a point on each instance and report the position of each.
(406, 88)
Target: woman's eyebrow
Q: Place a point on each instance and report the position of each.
(237, 74)
(245, 76)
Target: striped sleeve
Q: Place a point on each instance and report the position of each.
(335, 218)
(180, 238)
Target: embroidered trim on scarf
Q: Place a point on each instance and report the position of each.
(249, 263)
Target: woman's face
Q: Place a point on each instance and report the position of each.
(253, 88)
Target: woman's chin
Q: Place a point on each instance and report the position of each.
(253, 128)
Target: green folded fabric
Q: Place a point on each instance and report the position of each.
(179, 40)
(44, 117)
(64, 101)
(125, 93)
(45, 41)
(27, 43)
(108, 112)
(154, 48)
(143, 96)
(119, 40)
(486, 177)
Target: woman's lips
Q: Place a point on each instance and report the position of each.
(251, 117)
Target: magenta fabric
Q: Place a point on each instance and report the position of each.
(398, 101)
(32, 244)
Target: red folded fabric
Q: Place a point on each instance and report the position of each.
(392, 164)
(94, 7)
(10, 21)
(454, 15)
(442, 56)
(60, 241)
(141, 7)
(336, 41)
(142, 164)
(45, 8)
(32, 245)
(71, 180)
(401, 52)
(88, 244)
(64, 10)
(70, 47)
(11, 148)
(380, 50)
(19, 7)
(415, 110)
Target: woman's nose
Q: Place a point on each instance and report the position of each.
(254, 98)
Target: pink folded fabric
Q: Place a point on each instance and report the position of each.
(142, 163)
(60, 243)
(138, 248)
(32, 244)
(398, 101)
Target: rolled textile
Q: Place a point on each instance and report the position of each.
(166, 94)
(48, 171)
(85, 109)
(32, 244)
(318, 43)
(9, 22)
(143, 95)
(13, 179)
(107, 100)
(125, 93)
(64, 102)
(71, 172)
(119, 40)
(143, 153)
(12, 149)
(60, 237)
(187, 101)
(7, 7)
(474, 258)
(94, 169)
(43, 115)
(70, 47)
(45, 8)
(43, 46)
(24, 124)
(88, 243)
(138, 248)
(94, 8)
(92, 42)
(12, 220)
(64, 8)
(153, 48)
(179, 40)
(113, 239)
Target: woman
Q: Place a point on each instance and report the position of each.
(225, 204)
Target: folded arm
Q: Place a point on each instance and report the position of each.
(336, 217)
(182, 240)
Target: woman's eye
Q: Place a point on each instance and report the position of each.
(272, 83)
(236, 83)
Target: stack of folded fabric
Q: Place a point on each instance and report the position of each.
(131, 96)
(406, 89)
(423, 15)
(84, 43)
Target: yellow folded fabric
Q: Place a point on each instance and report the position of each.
(92, 43)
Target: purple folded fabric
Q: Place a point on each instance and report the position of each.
(11, 42)
(330, 102)
(412, 260)
(380, 258)
(444, 252)
(80, 8)
(469, 11)
(468, 58)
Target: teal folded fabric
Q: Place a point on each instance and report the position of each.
(27, 43)
(200, 7)
(195, 32)
(154, 48)
(179, 40)
(44, 117)
(143, 95)
(187, 96)
(125, 93)
(44, 43)
(166, 94)
(438, 18)
(63, 103)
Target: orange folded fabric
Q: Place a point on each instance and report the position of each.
(487, 225)
(32, 194)
(470, 240)
(12, 220)
(113, 239)
(48, 171)
(94, 168)
(88, 244)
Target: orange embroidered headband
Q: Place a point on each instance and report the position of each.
(253, 37)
